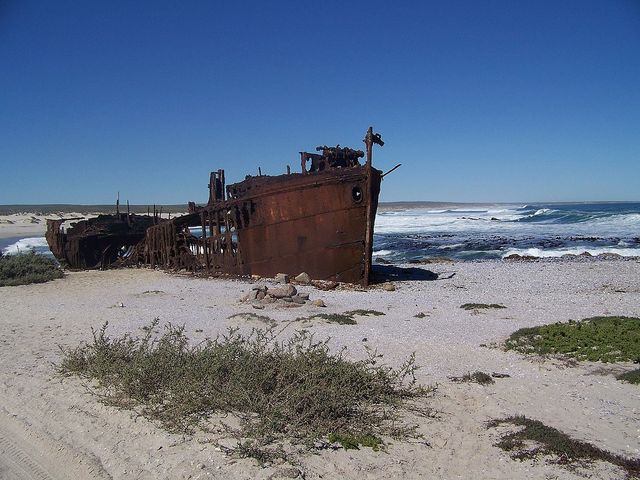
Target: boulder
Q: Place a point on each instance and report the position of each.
(299, 299)
(324, 284)
(281, 292)
(281, 278)
(389, 287)
(303, 278)
(303, 296)
(318, 303)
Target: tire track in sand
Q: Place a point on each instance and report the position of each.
(27, 455)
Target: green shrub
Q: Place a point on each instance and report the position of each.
(537, 439)
(606, 339)
(632, 376)
(27, 268)
(346, 318)
(480, 306)
(295, 389)
(475, 377)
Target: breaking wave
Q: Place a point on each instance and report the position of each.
(545, 230)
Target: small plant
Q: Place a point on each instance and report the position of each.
(295, 390)
(254, 316)
(346, 318)
(480, 306)
(475, 377)
(353, 442)
(27, 268)
(363, 313)
(548, 441)
(606, 339)
(632, 376)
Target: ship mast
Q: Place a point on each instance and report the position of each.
(369, 139)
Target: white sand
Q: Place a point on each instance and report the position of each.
(51, 428)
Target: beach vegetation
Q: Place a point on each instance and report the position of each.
(295, 390)
(534, 439)
(346, 318)
(353, 442)
(254, 316)
(632, 376)
(605, 339)
(476, 377)
(480, 306)
(26, 268)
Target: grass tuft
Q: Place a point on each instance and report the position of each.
(254, 316)
(295, 390)
(548, 441)
(346, 318)
(606, 339)
(353, 442)
(630, 377)
(475, 377)
(480, 306)
(27, 268)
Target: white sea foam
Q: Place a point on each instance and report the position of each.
(542, 211)
(25, 245)
(451, 247)
(558, 252)
(505, 222)
(381, 253)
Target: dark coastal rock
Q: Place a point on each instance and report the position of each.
(430, 260)
(520, 258)
(609, 256)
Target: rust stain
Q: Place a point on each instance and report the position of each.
(319, 221)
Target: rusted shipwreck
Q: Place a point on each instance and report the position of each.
(318, 221)
(96, 242)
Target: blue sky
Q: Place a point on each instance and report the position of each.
(479, 100)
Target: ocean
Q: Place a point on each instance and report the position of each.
(481, 232)
(477, 232)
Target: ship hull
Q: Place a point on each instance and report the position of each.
(315, 223)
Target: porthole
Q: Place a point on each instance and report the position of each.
(356, 194)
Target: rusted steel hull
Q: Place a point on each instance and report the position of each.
(319, 221)
(315, 223)
(96, 242)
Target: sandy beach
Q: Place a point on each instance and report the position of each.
(51, 428)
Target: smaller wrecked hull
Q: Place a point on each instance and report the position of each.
(96, 242)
